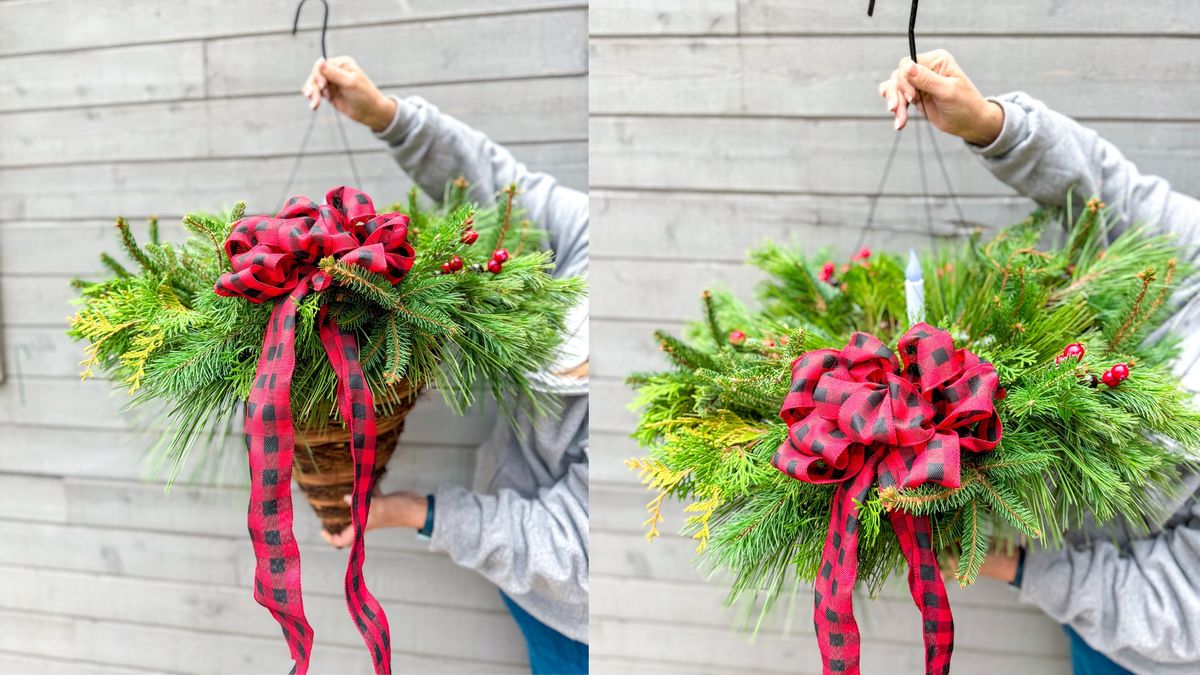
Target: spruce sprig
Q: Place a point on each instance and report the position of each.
(178, 347)
(1071, 450)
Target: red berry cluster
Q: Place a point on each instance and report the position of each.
(1114, 376)
(452, 265)
(828, 268)
(469, 235)
(1075, 350)
(499, 257)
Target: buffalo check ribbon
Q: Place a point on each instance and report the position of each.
(278, 259)
(860, 417)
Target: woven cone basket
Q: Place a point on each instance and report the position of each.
(324, 468)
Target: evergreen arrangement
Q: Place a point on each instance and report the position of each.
(1094, 422)
(469, 315)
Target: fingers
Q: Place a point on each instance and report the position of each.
(313, 86)
(898, 93)
(341, 75)
(926, 80)
(341, 539)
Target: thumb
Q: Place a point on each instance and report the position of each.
(925, 79)
(336, 74)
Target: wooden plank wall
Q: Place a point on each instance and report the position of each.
(716, 124)
(135, 107)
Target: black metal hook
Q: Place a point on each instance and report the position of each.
(325, 24)
(912, 27)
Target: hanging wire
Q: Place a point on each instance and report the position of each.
(937, 153)
(887, 169)
(313, 118)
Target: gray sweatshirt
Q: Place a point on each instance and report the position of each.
(1132, 596)
(525, 527)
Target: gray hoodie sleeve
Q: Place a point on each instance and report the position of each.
(533, 542)
(1136, 603)
(434, 149)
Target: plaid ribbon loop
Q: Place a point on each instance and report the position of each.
(277, 259)
(860, 417)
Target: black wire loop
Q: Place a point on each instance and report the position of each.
(337, 118)
(912, 27)
(324, 24)
(937, 153)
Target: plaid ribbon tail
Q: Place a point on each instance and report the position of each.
(928, 591)
(270, 442)
(833, 599)
(358, 409)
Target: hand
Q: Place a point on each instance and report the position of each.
(398, 509)
(999, 564)
(947, 96)
(350, 91)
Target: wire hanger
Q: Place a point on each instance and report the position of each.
(313, 119)
(937, 153)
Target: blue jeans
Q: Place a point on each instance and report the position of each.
(550, 652)
(1088, 661)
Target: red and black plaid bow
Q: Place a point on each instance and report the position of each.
(857, 416)
(278, 258)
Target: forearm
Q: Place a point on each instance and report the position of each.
(1142, 601)
(523, 545)
(1045, 156)
(434, 148)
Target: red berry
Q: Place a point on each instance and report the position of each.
(1120, 371)
(864, 253)
(736, 337)
(501, 255)
(1109, 379)
(456, 263)
(469, 237)
(1076, 349)
(494, 266)
(827, 272)
(446, 268)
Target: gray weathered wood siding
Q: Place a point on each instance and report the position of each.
(140, 108)
(716, 124)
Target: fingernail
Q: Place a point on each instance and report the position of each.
(897, 124)
(907, 97)
(912, 69)
(892, 103)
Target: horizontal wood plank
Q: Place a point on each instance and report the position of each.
(136, 190)
(499, 47)
(224, 610)
(46, 665)
(172, 650)
(403, 576)
(520, 111)
(120, 454)
(811, 76)
(98, 405)
(136, 21)
(772, 155)
(124, 75)
(1017, 17)
(795, 652)
(998, 627)
(678, 225)
(663, 17)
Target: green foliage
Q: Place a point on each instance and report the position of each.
(1070, 450)
(162, 332)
